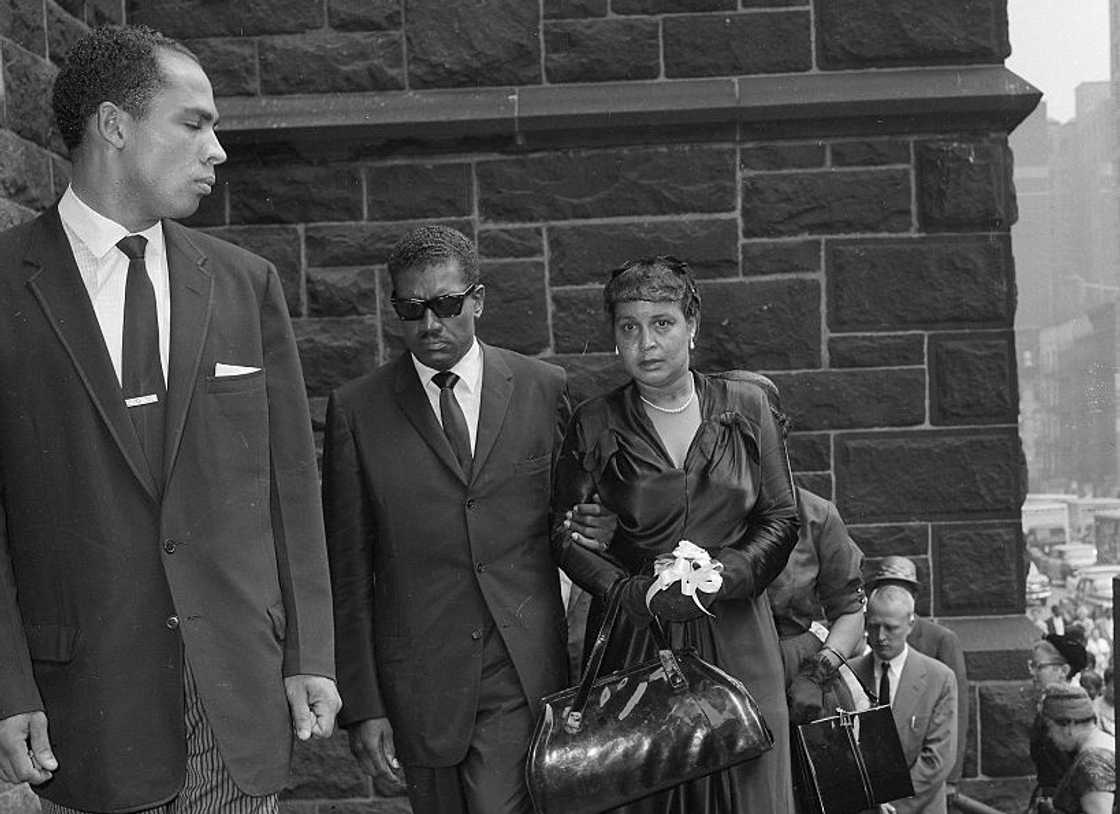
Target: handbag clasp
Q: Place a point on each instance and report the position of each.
(672, 668)
(573, 721)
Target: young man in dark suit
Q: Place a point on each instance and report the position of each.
(164, 597)
(437, 475)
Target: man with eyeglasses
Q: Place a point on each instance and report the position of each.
(437, 479)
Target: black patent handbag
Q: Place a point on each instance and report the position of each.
(641, 729)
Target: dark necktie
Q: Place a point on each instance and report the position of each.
(141, 371)
(885, 684)
(454, 422)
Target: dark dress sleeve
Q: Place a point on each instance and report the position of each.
(759, 555)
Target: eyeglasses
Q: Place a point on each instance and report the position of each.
(1064, 722)
(1034, 666)
(444, 306)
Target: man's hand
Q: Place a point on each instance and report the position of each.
(591, 525)
(371, 741)
(25, 749)
(314, 702)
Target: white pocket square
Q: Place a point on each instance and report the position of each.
(222, 369)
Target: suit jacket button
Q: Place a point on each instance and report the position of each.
(471, 504)
(169, 546)
(480, 567)
(172, 622)
(476, 634)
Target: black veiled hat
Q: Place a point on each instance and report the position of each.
(1071, 645)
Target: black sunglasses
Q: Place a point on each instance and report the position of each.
(411, 309)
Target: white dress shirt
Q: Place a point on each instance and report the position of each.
(468, 390)
(104, 269)
(894, 670)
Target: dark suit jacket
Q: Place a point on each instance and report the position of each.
(96, 554)
(925, 713)
(422, 560)
(940, 643)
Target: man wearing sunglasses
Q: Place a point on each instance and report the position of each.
(436, 479)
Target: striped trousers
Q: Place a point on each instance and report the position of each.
(208, 788)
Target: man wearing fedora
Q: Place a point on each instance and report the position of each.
(933, 640)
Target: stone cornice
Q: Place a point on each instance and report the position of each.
(986, 97)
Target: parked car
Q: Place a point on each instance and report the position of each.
(1063, 560)
(1038, 586)
(1092, 587)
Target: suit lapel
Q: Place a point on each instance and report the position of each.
(58, 287)
(497, 387)
(191, 301)
(910, 685)
(414, 403)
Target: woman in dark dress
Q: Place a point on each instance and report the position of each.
(1089, 784)
(680, 455)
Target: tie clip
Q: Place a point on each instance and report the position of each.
(137, 401)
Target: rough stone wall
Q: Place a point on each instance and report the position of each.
(867, 269)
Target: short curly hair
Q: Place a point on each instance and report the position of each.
(433, 243)
(110, 64)
(653, 279)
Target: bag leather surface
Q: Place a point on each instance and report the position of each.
(639, 730)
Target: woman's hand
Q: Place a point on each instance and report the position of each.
(591, 525)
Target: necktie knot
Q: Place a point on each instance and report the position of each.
(445, 380)
(133, 246)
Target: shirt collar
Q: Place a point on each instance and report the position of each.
(899, 661)
(468, 369)
(98, 233)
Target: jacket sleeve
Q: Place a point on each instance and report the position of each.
(18, 691)
(296, 510)
(350, 540)
(752, 562)
(840, 580)
(939, 748)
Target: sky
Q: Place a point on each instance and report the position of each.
(1056, 45)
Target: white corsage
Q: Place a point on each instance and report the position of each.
(692, 567)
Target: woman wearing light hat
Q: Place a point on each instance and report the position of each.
(1089, 784)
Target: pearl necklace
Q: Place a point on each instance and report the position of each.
(670, 410)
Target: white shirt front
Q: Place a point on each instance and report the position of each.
(468, 390)
(104, 270)
(894, 671)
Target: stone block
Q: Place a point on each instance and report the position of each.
(331, 62)
(325, 770)
(418, 191)
(886, 33)
(829, 202)
(60, 175)
(970, 764)
(601, 50)
(591, 374)
(513, 242)
(280, 246)
(13, 214)
(27, 82)
(1010, 794)
(870, 152)
(973, 378)
(485, 42)
(771, 3)
(929, 475)
(877, 350)
(583, 254)
(24, 23)
(336, 350)
(341, 292)
(185, 19)
(516, 314)
(922, 603)
(63, 30)
(759, 325)
(901, 539)
(105, 12)
(979, 567)
(578, 322)
(574, 9)
(364, 15)
(731, 44)
(295, 194)
(848, 399)
(810, 452)
(782, 157)
(922, 283)
(359, 244)
(964, 185)
(780, 257)
(669, 6)
(996, 647)
(819, 483)
(25, 172)
(608, 183)
(1007, 710)
(231, 64)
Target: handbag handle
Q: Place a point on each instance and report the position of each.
(871, 696)
(573, 718)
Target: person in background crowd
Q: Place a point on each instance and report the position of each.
(1092, 682)
(1054, 660)
(1088, 786)
(436, 480)
(922, 693)
(164, 599)
(1098, 646)
(1105, 704)
(1055, 622)
(934, 640)
(680, 455)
